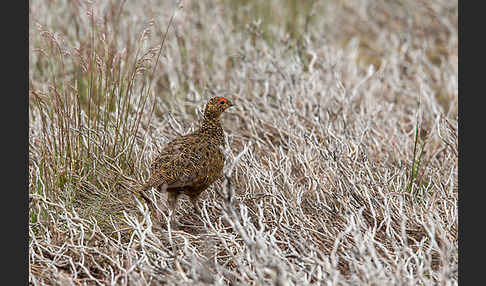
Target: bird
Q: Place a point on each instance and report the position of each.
(189, 164)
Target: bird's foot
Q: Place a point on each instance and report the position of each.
(175, 225)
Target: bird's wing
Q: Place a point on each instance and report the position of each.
(168, 153)
(180, 163)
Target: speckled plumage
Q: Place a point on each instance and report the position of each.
(190, 164)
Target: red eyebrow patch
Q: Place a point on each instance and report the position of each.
(222, 99)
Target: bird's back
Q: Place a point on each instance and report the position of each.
(192, 161)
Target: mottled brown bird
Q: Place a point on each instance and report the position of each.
(190, 164)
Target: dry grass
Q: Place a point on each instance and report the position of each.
(342, 157)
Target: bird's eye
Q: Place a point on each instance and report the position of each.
(222, 100)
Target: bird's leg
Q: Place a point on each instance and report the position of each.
(194, 199)
(172, 201)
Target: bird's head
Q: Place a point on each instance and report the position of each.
(216, 106)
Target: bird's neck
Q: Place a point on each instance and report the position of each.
(213, 129)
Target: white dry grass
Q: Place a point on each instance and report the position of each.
(342, 150)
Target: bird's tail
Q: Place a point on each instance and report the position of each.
(142, 192)
(139, 190)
